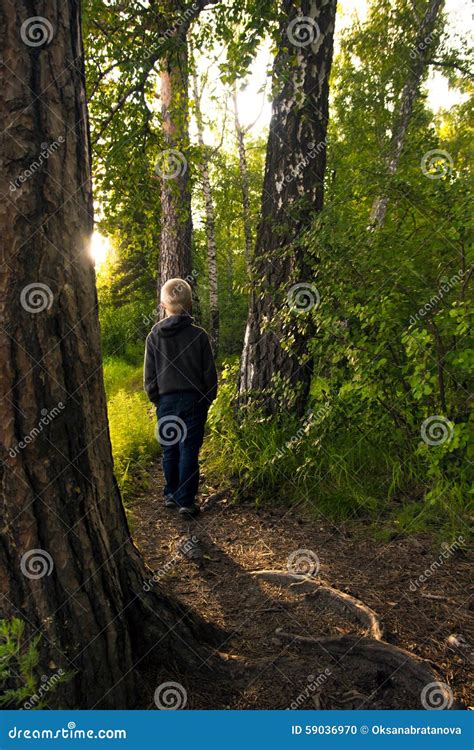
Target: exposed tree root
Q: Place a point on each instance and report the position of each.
(334, 598)
(400, 665)
(370, 653)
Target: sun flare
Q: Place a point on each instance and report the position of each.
(100, 249)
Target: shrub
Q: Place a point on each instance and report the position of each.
(345, 459)
(125, 328)
(20, 685)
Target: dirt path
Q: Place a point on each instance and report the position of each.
(237, 540)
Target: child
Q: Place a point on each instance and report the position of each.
(180, 379)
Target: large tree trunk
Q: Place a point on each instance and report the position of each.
(292, 194)
(244, 178)
(210, 225)
(173, 167)
(68, 566)
(421, 52)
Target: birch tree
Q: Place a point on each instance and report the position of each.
(210, 222)
(425, 44)
(279, 321)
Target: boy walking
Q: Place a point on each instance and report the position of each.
(180, 379)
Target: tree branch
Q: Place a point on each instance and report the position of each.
(450, 64)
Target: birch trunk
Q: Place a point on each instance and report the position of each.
(210, 225)
(292, 194)
(421, 53)
(173, 168)
(244, 179)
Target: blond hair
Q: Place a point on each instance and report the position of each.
(176, 295)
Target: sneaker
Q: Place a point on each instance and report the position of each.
(170, 502)
(191, 511)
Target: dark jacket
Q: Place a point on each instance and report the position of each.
(178, 357)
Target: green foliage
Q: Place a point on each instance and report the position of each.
(124, 327)
(18, 660)
(119, 374)
(346, 459)
(230, 240)
(314, 461)
(122, 46)
(392, 346)
(131, 423)
(396, 304)
(20, 685)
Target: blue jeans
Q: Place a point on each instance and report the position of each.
(181, 421)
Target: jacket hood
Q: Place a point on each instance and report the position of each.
(173, 324)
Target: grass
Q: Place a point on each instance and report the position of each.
(358, 468)
(131, 423)
(122, 375)
(322, 463)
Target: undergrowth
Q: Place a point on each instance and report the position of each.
(131, 424)
(20, 684)
(344, 460)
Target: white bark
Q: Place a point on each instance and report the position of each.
(210, 224)
(422, 50)
(244, 179)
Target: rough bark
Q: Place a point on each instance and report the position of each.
(210, 225)
(244, 179)
(422, 50)
(292, 194)
(176, 218)
(61, 510)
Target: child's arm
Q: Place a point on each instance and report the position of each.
(209, 369)
(150, 382)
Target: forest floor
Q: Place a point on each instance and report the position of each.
(272, 671)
